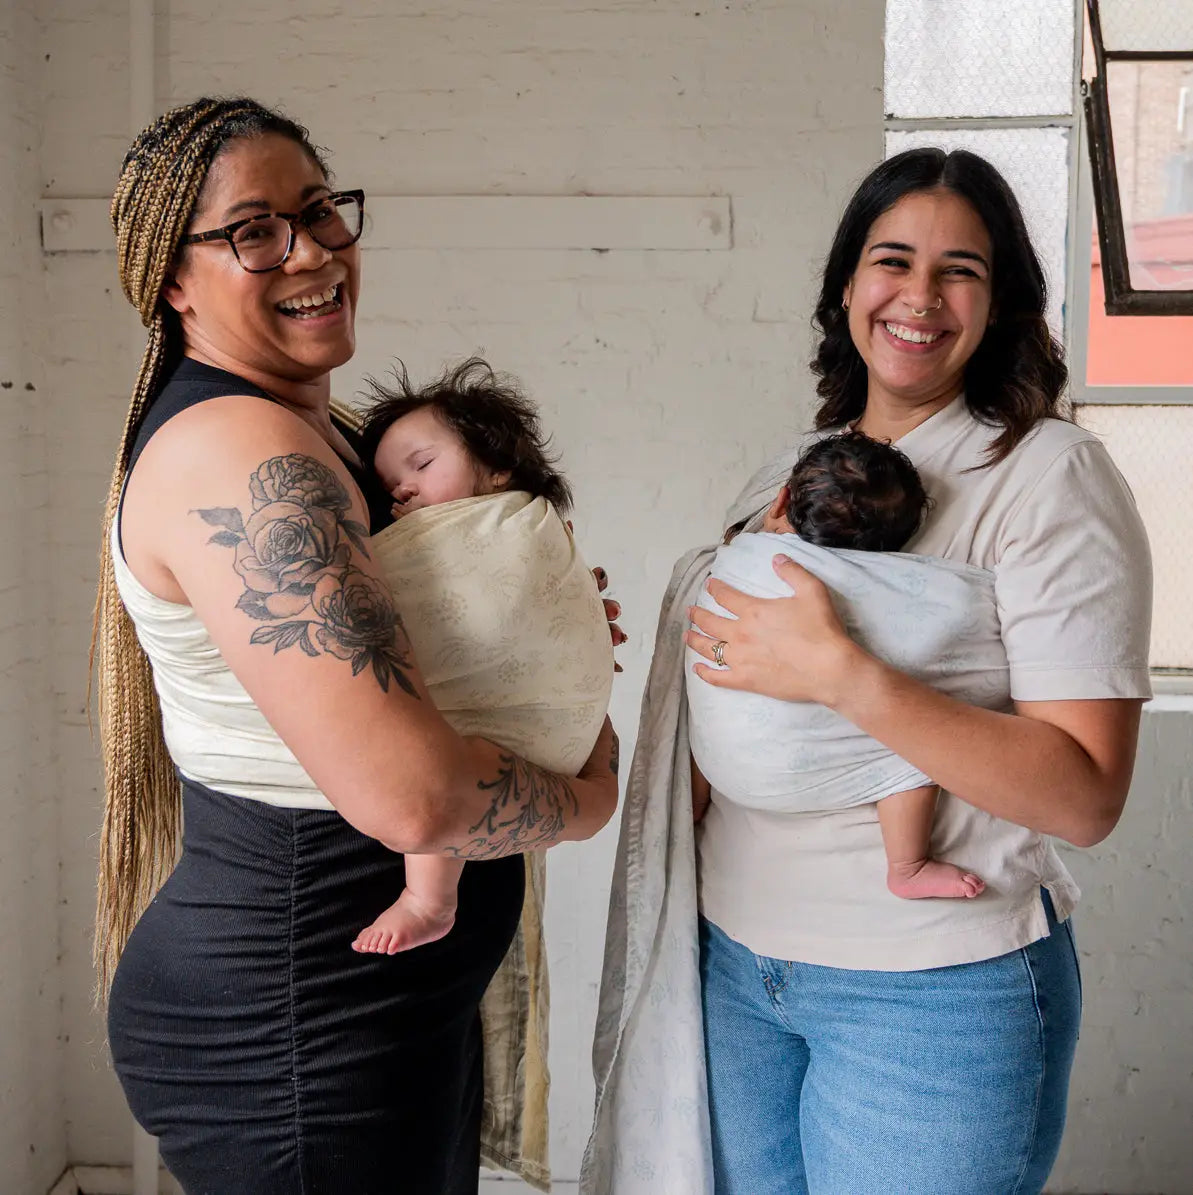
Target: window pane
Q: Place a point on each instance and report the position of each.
(1147, 24)
(1036, 164)
(1151, 118)
(942, 60)
(1152, 447)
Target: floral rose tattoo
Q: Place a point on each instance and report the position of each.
(294, 554)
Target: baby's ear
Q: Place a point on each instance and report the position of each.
(500, 481)
(776, 515)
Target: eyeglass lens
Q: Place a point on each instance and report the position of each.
(334, 223)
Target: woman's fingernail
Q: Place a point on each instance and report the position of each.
(615, 608)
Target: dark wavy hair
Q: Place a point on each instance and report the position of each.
(494, 421)
(850, 491)
(1017, 374)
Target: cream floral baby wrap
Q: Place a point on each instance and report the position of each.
(510, 634)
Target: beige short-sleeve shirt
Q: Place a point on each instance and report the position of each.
(1058, 527)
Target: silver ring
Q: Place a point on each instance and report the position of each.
(718, 652)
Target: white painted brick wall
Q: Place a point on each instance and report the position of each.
(1129, 1110)
(32, 1136)
(665, 377)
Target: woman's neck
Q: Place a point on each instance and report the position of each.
(888, 418)
(309, 400)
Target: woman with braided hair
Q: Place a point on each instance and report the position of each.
(248, 649)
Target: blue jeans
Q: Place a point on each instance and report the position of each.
(831, 1082)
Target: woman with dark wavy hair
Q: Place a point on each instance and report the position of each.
(855, 1042)
(925, 1046)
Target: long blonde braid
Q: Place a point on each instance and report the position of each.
(160, 182)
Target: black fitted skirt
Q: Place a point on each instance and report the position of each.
(266, 1055)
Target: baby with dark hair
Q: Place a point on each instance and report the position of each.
(502, 613)
(469, 433)
(848, 491)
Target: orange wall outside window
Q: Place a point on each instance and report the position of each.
(1141, 350)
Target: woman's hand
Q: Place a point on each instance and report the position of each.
(612, 611)
(793, 649)
(612, 608)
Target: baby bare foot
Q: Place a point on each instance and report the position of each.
(407, 923)
(931, 878)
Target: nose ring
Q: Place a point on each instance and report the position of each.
(921, 314)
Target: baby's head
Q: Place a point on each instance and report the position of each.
(467, 434)
(849, 491)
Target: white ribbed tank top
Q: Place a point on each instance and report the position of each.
(214, 731)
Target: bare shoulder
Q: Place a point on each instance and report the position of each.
(255, 523)
(221, 436)
(230, 450)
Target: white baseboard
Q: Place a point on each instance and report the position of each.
(107, 1180)
(118, 1180)
(66, 1185)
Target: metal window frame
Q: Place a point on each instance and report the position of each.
(1077, 305)
(1121, 297)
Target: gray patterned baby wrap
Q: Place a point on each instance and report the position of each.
(930, 618)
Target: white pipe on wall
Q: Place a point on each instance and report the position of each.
(142, 108)
(141, 48)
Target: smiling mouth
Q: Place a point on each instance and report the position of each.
(325, 302)
(911, 335)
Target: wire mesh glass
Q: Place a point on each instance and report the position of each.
(1152, 446)
(942, 60)
(1035, 162)
(1147, 24)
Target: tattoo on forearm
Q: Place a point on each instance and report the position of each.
(530, 809)
(615, 755)
(294, 554)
